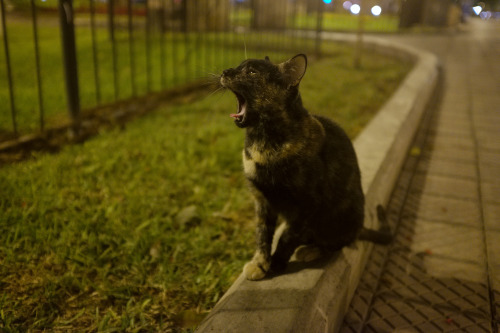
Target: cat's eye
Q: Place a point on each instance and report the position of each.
(251, 72)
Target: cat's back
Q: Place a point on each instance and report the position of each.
(337, 143)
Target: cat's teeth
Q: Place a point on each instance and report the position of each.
(237, 115)
(242, 108)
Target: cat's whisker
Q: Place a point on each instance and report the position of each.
(213, 82)
(215, 91)
(245, 46)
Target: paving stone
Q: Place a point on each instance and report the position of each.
(445, 268)
(449, 123)
(489, 126)
(450, 131)
(447, 186)
(490, 192)
(489, 139)
(462, 243)
(489, 172)
(489, 157)
(493, 248)
(446, 141)
(444, 209)
(449, 153)
(434, 166)
(453, 109)
(491, 215)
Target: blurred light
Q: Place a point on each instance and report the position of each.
(347, 5)
(477, 9)
(327, 1)
(355, 9)
(485, 15)
(376, 10)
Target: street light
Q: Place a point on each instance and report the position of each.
(477, 9)
(355, 9)
(376, 10)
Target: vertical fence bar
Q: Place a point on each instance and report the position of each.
(148, 47)
(130, 24)
(111, 26)
(111, 19)
(9, 72)
(196, 11)
(227, 28)
(206, 35)
(94, 52)
(200, 16)
(234, 29)
(186, 38)
(292, 26)
(37, 63)
(319, 27)
(219, 31)
(174, 32)
(162, 45)
(69, 55)
(359, 38)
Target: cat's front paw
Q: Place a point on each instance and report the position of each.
(253, 271)
(257, 268)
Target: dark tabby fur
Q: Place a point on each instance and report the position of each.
(299, 166)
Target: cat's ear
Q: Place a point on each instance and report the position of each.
(267, 59)
(294, 69)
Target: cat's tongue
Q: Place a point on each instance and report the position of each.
(237, 115)
(240, 114)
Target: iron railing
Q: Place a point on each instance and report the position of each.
(101, 52)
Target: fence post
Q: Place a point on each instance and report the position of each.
(359, 36)
(8, 64)
(319, 27)
(37, 62)
(69, 55)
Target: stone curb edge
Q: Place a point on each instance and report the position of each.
(315, 297)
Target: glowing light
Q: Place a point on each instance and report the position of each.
(347, 5)
(477, 9)
(355, 9)
(327, 1)
(485, 15)
(376, 10)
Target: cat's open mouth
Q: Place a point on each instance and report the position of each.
(242, 108)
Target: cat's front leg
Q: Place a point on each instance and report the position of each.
(290, 239)
(257, 268)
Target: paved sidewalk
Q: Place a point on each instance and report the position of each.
(442, 272)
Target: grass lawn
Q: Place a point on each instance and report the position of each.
(90, 239)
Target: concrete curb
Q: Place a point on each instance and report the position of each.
(314, 297)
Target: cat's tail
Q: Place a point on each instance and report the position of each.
(381, 236)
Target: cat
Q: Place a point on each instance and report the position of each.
(299, 166)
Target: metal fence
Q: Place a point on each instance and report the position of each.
(73, 55)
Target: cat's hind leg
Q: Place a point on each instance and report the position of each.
(288, 242)
(308, 253)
